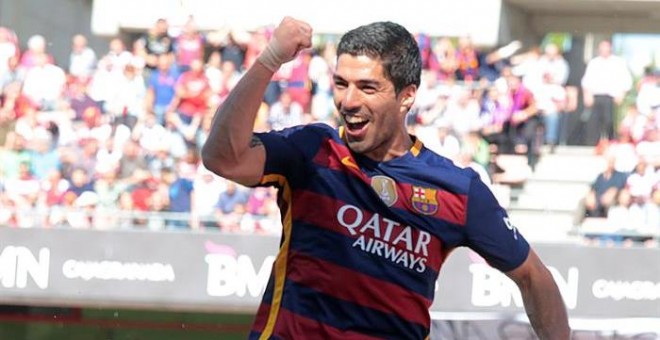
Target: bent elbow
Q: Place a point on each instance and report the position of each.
(212, 160)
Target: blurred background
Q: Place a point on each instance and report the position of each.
(111, 228)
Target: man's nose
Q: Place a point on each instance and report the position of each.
(351, 101)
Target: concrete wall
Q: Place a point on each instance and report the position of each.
(56, 20)
(515, 24)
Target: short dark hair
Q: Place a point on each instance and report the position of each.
(392, 44)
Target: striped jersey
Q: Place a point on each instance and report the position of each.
(363, 241)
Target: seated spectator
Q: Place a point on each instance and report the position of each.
(45, 156)
(462, 113)
(78, 99)
(641, 181)
(230, 207)
(36, 50)
(81, 182)
(12, 74)
(9, 49)
(44, 84)
(624, 151)
(634, 124)
(207, 187)
(125, 103)
(648, 98)
(133, 159)
(524, 127)
(285, 112)
(12, 155)
(604, 190)
(82, 60)
(444, 61)
(550, 100)
(467, 60)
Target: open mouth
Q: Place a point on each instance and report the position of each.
(355, 125)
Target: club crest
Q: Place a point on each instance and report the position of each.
(424, 200)
(385, 187)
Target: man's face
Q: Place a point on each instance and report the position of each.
(373, 115)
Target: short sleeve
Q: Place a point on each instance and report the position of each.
(289, 152)
(489, 230)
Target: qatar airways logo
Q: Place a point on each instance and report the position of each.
(386, 238)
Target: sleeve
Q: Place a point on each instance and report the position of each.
(288, 153)
(489, 231)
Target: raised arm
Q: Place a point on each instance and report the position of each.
(231, 150)
(543, 302)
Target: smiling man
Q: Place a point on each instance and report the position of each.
(369, 214)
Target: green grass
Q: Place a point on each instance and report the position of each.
(108, 324)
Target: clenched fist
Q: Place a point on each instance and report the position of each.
(288, 39)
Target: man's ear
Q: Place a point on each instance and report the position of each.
(408, 95)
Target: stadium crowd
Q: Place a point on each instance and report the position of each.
(111, 140)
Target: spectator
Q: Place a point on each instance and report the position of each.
(53, 189)
(604, 190)
(160, 90)
(45, 156)
(207, 187)
(298, 83)
(44, 84)
(149, 133)
(157, 42)
(285, 112)
(36, 50)
(108, 188)
(125, 105)
(641, 182)
(467, 60)
(462, 113)
(192, 94)
(320, 74)
(181, 197)
(213, 72)
(230, 77)
(233, 49)
(12, 74)
(189, 45)
(444, 61)
(605, 84)
(82, 60)
(78, 99)
(12, 155)
(634, 124)
(554, 64)
(132, 160)
(230, 206)
(8, 49)
(550, 100)
(524, 127)
(648, 98)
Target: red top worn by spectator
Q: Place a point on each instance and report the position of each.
(193, 91)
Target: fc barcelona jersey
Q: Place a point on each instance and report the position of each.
(363, 241)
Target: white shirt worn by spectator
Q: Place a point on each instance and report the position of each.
(44, 83)
(558, 68)
(82, 64)
(607, 76)
(280, 118)
(648, 99)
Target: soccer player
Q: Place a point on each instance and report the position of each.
(369, 214)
